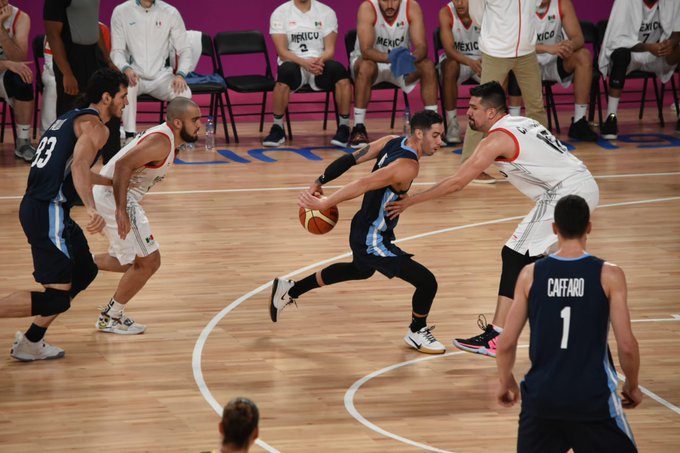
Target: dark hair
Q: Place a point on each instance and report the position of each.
(239, 419)
(492, 95)
(425, 119)
(572, 215)
(104, 80)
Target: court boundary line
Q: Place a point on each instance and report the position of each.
(207, 330)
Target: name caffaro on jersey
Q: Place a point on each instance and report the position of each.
(566, 287)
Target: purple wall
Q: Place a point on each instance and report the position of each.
(213, 16)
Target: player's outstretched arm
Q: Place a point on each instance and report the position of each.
(614, 284)
(506, 349)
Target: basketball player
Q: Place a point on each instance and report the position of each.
(642, 35)
(304, 33)
(562, 59)
(133, 250)
(16, 78)
(239, 426)
(61, 171)
(382, 26)
(371, 235)
(569, 395)
(539, 166)
(461, 60)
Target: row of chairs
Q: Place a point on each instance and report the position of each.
(239, 43)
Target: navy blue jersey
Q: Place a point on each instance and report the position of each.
(372, 232)
(571, 375)
(50, 176)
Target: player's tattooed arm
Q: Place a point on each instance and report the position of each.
(361, 152)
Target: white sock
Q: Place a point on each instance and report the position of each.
(359, 116)
(580, 111)
(432, 107)
(278, 121)
(497, 329)
(514, 110)
(451, 116)
(343, 120)
(23, 131)
(114, 309)
(612, 105)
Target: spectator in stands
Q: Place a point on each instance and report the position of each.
(142, 34)
(16, 77)
(239, 426)
(304, 33)
(387, 30)
(641, 35)
(78, 50)
(461, 60)
(563, 59)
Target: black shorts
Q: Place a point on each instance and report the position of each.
(389, 266)
(58, 244)
(540, 435)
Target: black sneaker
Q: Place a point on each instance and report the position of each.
(359, 136)
(341, 137)
(276, 136)
(484, 343)
(610, 129)
(581, 130)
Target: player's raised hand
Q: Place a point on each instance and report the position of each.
(96, 222)
(123, 221)
(394, 208)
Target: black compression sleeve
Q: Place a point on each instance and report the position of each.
(337, 168)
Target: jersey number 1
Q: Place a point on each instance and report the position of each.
(565, 314)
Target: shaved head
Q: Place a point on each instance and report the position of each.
(178, 107)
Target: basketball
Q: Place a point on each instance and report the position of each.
(319, 222)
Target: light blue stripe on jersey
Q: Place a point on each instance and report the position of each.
(561, 258)
(615, 408)
(56, 232)
(403, 145)
(374, 241)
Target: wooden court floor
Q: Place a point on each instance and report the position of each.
(333, 375)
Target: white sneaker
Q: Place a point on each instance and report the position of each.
(27, 351)
(424, 341)
(121, 326)
(453, 133)
(280, 297)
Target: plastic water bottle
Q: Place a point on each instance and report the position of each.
(407, 123)
(210, 134)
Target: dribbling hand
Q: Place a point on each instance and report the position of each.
(310, 201)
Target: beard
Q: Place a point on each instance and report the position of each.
(472, 124)
(188, 138)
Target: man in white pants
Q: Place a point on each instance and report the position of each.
(142, 33)
(539, 166)
(135, 170)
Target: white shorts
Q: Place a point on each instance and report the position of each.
(385, 75)
(646, 61)
(139, 242)
(307, 79)
(534, 233)
(466, 73)
(549, 71)
(3, 91)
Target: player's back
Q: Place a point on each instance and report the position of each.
(571, 375)
(50, 177)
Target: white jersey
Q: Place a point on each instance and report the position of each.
(650, 29)
(143, 179)
(389, 35)
(10, 26)
(541, 163)
(465, 39)
(305, 30)
(145, 36)
(549, 24)
(508, 29)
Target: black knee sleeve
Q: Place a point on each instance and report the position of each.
(425, 283)
(513, 262)
(16, 88)
(289, 73)
(620, 59)
(84, 274)
(51, 302)
(343, 272)
(333, 72)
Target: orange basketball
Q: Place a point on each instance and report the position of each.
(319, 222)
